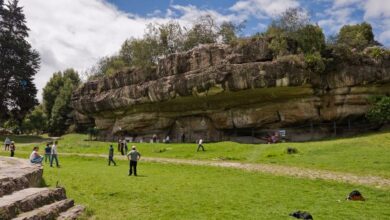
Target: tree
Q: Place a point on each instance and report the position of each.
(229, 31)
(56, 100)
(51, 91)
(169, 37)
(61, 115)
(310, 39)
(18, 64)
(36, 121)
(291, 20)
(204, 31)
(357, 36)
(380, 110)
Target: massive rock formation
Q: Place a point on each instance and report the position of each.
(218, 91)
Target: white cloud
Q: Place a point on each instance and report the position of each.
(377, 9)
(75, 34)
(263, 8)
(334, 19)
(188, 13)
(344, 3)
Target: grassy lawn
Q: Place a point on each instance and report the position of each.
(165, 191)
(365, 155)
(24, 139)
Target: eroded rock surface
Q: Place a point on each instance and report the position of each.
(21, 199)
(213, 91)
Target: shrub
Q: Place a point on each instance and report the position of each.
(310, 39)
(356, 36)
(380, 110)
(291, 150)
(315, 62)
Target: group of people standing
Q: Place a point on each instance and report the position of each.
(51, 154)
(122, 146)
(9, 146)
(134, 156)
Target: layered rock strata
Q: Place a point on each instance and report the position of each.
(21, 197)
(216, 91)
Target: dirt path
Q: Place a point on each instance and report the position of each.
(279, 170)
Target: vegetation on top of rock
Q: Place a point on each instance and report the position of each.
(160, 40)
(291, 33)
(357, 36)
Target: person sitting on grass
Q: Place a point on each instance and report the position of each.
(35, 157)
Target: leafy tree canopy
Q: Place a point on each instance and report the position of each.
(356, 36)
(56, 100)
(18, 64)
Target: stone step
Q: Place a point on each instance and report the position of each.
(47, 212)
(9, 185)
(28, 199)
(17, 174)
(72, 213)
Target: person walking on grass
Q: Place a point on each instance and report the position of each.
(7, 143)
(125, 148)
(12, 148)
(47, 153)
(134, 156)
(111, 156)
(35, 158)
(200, 145)
(54, 154)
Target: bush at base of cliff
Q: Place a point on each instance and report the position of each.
(380, 111)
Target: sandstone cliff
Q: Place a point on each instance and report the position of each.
(213, 91)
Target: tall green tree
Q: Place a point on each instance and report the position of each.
(203, 31)
(35, 121)
(229, 31)
(18, 64)
(56, 100)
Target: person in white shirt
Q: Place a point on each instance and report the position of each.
(7, 143)
(35, 157)
(200, 145)
(54, 154)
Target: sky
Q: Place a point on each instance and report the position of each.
(76, 33)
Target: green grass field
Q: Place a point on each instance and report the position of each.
(172, 191)
(164, 191)
(363, 155)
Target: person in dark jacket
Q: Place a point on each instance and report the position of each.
(12, 148)
(47, 152)
(111, 156)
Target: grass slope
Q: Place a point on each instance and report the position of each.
(364, 155)
(165, 191)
